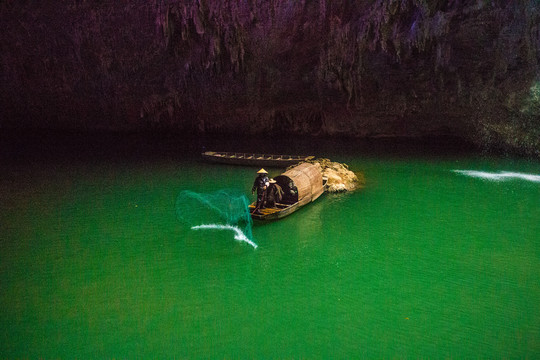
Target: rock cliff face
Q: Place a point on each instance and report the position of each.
(326, 67)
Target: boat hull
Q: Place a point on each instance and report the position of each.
(299, 186)
(273, 213)
(254, 159)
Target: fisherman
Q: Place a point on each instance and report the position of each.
(274, 194)
(260, 184)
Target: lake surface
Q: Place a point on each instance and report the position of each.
(424, 262)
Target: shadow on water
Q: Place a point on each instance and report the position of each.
(328, 146)
(68, 146)
(71, 146)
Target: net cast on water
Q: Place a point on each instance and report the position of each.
(220, 210)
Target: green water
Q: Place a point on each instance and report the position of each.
(421, 263)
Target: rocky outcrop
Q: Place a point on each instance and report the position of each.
(356, 68)
(337, 176)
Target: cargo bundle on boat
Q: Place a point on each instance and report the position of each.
(301, 185)
(239, 158)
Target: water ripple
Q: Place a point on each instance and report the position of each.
(499, 176)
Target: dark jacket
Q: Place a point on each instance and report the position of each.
(260, 182)
(275, 194)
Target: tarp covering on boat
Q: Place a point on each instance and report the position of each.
(302, 183)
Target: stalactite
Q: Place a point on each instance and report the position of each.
(389, 58)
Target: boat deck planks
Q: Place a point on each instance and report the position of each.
(273, 213)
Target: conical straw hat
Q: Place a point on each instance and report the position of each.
(262, 171)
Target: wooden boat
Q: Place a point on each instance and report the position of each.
(301, 185)
(254, 159)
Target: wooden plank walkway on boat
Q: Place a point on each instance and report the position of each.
(301, 185)
(238, 158)
(274, 213)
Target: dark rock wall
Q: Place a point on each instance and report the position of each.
(327, 67)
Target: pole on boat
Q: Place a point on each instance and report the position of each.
(262, 202)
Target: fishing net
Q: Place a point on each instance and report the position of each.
(339, 177)
(220, 210)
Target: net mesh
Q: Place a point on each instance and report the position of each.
(220, 210)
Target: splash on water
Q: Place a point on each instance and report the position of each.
(499, 176)
(220, 210)
(238, 234)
